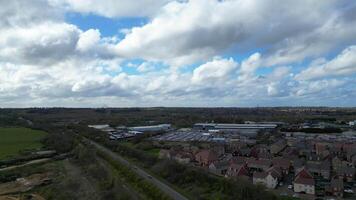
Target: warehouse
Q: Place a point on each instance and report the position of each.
(159, 127)
(243, 129)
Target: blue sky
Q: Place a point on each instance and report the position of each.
(177, 53)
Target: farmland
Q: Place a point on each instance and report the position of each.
(15, 140)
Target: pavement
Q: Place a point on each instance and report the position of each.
(139, 171)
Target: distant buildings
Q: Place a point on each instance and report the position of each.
(159, 127)
(250, 129)
(122, 132)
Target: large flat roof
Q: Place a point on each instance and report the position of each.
(234, 126)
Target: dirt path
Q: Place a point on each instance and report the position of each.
(86, 190)
(32, 162)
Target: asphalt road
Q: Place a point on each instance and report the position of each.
(162, 186)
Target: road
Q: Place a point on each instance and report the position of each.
(139, 171)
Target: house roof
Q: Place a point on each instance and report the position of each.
(346, 170)
(337, 183)
(304, 173)
(281, 162)
(318, 166)
(238, 160)
(275, 172)
(220, 164)
(260, 163)
(242, 171)
(304, 181)
(207, 154)
(260, 175)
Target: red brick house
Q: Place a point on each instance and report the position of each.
(206, 157)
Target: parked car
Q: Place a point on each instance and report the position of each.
(290, 187)
(349, 191)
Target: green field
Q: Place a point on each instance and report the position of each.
(14, 140)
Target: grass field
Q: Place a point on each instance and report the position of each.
(13, 140)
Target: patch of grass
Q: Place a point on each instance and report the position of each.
(154, 151)
(15, 140)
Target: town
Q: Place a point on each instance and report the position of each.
(307, 160)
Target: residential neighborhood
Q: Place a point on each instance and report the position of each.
(297, 164)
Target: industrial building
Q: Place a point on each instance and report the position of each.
(159, 127)
(243, 129)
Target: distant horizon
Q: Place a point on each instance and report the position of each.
(341, 107)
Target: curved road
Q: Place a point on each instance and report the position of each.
(162, 186)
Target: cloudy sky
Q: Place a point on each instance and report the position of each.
(94, 53)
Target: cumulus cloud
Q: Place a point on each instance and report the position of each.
(113, 8)
(49, 61)
(343, 64)
(214, 71)
(319, 86)
(146, 67)
(88, 39)
(197, 30)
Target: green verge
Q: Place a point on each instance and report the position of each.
(15, 140)
(136, 182)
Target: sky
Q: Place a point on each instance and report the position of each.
(191, 53)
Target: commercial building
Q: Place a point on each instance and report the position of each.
(159, 127)
(243, 129)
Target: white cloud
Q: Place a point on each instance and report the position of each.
(213, 71)
(113, 8)
(146, 67)
(88, 39)
(46, 42)
(319, 86)
(48, 61)
(343, 64)
(189, 31)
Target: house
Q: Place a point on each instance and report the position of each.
(278, 146)
(264, 155)
(282, 164)
(321, 169)
(336, 163)
(237, 170)
(290, 153)
(336, 149)
(219, 167)
(353, 160)
(183, 157)
(320, 147)
(206, 157)
(304, 182)
(244, 151)
(350, 150)
(219, 149)
(298, 165)
(346, 173)
(259, 165)
(270, 178)
(239, 160)
(336, 187)
(179, 156)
